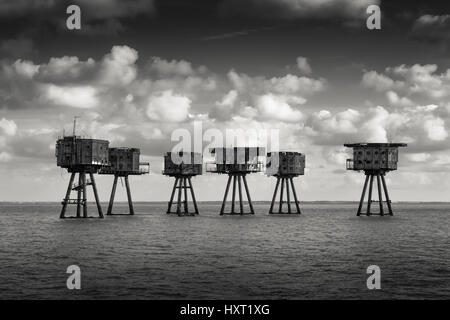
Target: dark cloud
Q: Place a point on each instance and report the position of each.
(432, 28)
(297, 9)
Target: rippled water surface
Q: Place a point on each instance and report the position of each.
(323, 253)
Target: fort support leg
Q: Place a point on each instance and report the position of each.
(280, 207)
(97, 200)
(380, 196)
(388, 201)
(225, 196)
(233, 195)
(130, 201)
(80, 181)
(288, 195)
(169, 206)
(295, 196)
(274, 195)
(179, 196)
(84, 196)
(67, 197)
(369, 201)
(361, 202)
(113, 194)
(241, 205)
(193, 195)
(248, 195)
(186, 208)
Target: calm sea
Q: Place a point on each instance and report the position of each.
(322, 254)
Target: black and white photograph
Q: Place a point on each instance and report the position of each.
(224, 150)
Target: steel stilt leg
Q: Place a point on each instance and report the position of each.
(97, 200)
(233, 196)
(186, 208)
(295, 196)
(248, 195)
(179, 197)
(113, 194)
(130, 201)
(369, 202)
(280, 206)
(274, 196)
(193, 195)
(380, 197)
(241, 205)
(169, 206)
(361, 202)
(84, 197)
(225, 196)
(388, 201)
(80, 181)
(67, 197)
(288, 195)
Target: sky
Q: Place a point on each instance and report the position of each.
(138, 70)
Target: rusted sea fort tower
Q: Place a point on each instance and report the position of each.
(375, 159)
(237, 162)
(182, 166)
(285, 166)
(81, 156)
(124, 162)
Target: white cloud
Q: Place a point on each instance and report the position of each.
(118, 67)
(26, 69)
(172, 68)
(272, 107)
(435, 128)
(167, 106)
(380, 82)
(84, 97)
(413, 80)
(8, 127)
(65, 68)
(418, 157)
(397, 101)
(303, 65)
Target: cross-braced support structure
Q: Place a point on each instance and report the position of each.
(182, 184)
(237, 178)
(113, 193)
(81, 200)
(285, 181)
(370, 175)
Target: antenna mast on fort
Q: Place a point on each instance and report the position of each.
(75, 124)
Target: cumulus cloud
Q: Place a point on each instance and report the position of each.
(273, 107)
(403, 83)
(424, 127)
(287, 84)
(303, 65)
(397, 101)
(8, 127)
(84, 97)
(223, 109)
(118, 68)
(380, 82)
(435, 128)
(168, 106)
(66, 69)
(162, 67)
